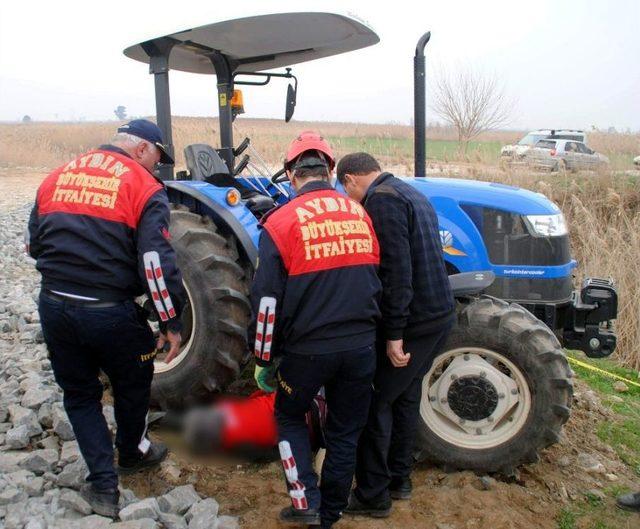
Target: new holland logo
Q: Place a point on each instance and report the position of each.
(446, 239)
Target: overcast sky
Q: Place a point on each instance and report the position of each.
(566, 63)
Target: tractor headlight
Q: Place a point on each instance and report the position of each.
(547, 225)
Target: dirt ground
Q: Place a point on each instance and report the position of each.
(457, 500)
(532, 499)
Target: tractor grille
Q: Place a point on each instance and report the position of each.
(509, 242)
(529, 290)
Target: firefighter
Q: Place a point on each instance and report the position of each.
(99, 234)
(417, 313)
(315, 303)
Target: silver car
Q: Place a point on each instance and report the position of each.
(517, 152)
(569, 155)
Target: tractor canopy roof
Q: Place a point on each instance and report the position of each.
(259, 43)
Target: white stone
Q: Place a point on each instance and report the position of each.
(18, 437)
(35, 487)
(70, 452)
(10, 461)
(24, 416)
(203, 514)
(227, 522)
(62, 425)
(35, 397)
(147, 508)
(45, 415)
(73, 475)
(70, 499)
(39, 461)
(179, 500)
(11, 495)
(35, 523)
(146, 523)
(172, 521)
(19, 478)
(50, 442)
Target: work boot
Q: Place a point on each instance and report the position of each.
(374, 509)
(103, 501)
(156, 453)
(299, 516)
(400, 489)
(629, 502)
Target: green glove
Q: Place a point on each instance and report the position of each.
(262, 376)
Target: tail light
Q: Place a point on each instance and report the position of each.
(552, 152)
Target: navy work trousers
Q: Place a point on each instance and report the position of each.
(81, 342)
(385, 450)
(346, 377)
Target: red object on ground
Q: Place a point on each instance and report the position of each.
(249, 421)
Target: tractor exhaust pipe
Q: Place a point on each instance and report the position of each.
(419, 107)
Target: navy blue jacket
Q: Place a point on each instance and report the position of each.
(316, 289)
(416, 295)
(100, 229)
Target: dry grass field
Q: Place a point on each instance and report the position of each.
(603, 209)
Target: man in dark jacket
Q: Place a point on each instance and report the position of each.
(315, 303)
(417, 313)
(99, 234)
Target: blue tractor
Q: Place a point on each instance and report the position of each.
(501, 390)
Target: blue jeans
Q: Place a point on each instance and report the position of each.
(81, 342)
(346, 377)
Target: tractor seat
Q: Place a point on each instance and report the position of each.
(204, 163)
(203, 160)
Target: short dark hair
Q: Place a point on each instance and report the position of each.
(306, 172)
(358, 163)
(321, 169)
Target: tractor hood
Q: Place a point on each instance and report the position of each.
(492, 195)
(259, 43)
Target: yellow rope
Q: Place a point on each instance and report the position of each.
(598, 370)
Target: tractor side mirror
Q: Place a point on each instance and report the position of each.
(291, 103)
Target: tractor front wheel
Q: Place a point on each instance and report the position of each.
(498, 393)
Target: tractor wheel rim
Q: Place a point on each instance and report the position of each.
(498, 398)
(189, 315)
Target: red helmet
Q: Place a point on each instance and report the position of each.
(309, 141)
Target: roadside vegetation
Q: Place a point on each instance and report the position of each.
(594, 511)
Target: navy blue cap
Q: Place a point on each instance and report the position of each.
(147, 130)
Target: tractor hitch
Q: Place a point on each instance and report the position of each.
(590, 326)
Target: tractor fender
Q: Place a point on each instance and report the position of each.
(206, 199)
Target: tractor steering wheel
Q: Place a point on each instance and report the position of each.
(280, 177)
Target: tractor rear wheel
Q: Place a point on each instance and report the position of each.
(215, 318)
(498, 393)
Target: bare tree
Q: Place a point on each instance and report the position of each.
(471, 102)
(121, 112)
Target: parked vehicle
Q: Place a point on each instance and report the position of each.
(501, 389)
(517, 152)
(556, 155)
